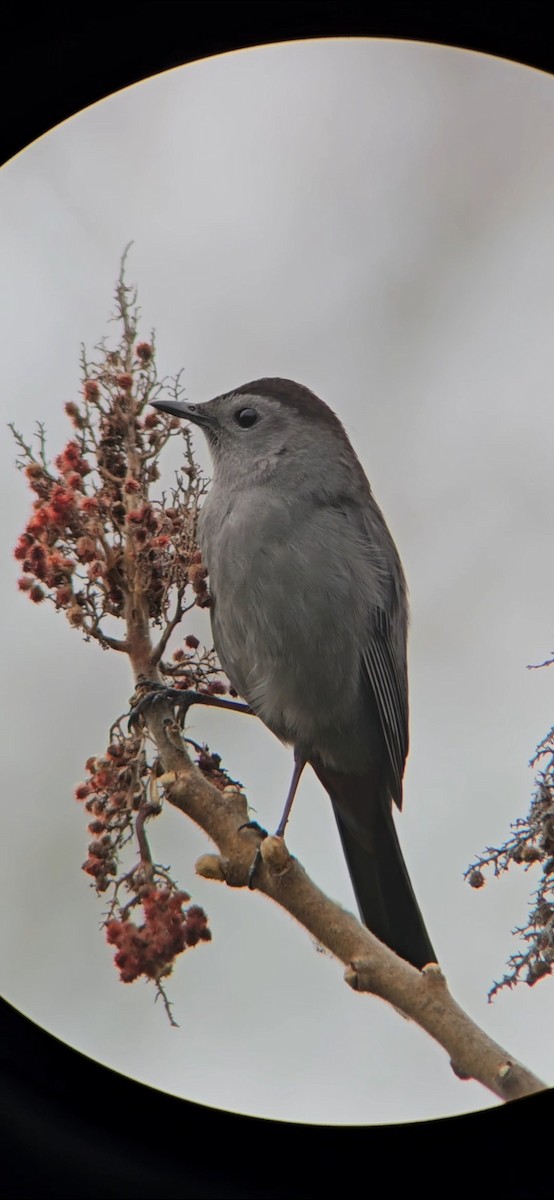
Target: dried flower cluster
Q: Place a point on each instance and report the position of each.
(531, 844)
(95, 537)
(114, 790)
(150, 949)
(104, 551)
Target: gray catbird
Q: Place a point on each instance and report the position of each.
(309, 620)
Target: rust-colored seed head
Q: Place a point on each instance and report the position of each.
(91, 389)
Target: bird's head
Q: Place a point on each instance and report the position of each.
(270, 427)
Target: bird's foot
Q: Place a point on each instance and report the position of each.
(258, 855)
(252, 872)
(156, 694)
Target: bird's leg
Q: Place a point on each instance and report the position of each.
(299, 764)
(179, 698)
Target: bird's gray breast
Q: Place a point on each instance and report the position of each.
(291, 586)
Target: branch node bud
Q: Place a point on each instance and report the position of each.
(458, 1071)
(167, 778)
(433, 973)
(352, 975)
(210, 866)
(275, 854)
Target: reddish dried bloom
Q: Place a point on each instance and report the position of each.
(161, 541)
(101, 847)
(72, 465)
(102, 779)
(63, 596)
(197, 577)
(72, 411)
(196, 556)
(37, 559)
(82, 791)
(143, 350)
(86, 549)
(75, 616)
(95, 805)
(69, 457)
(191, 641)
(145, 516)
(476, 879)
(89, 504)
(178, 655)
(62, 501)
(137, 515)
(34, 471)
(94, 866)
(96, 826)
(25, 583)
(197, 574)
(151, 420)
(196, 926)
(114, 931)
(151, 948)
(90, 764)
(91, 389)
(36, 594)
(22, 546)
(216, 688)
(132, 485)
(40, 520)
(58, 562)
(125, 381)
(74, 480)
(530, 854)
(114, 750)
(95, 569)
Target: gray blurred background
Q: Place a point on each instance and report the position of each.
(374, 219)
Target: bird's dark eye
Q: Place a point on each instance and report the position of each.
(245, 417)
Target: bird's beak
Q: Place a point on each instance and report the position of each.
(189, 412)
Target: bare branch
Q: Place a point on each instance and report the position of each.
(370, 966)
(171, 625)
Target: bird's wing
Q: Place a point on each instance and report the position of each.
(385, 671)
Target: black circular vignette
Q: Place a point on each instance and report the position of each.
(57, 61)
(74, 1128)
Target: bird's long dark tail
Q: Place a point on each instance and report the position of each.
(376, 865)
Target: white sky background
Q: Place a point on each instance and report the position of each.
(374, 219)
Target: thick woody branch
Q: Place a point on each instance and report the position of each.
(422, 996)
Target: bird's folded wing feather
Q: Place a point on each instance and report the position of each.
(386, 676)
